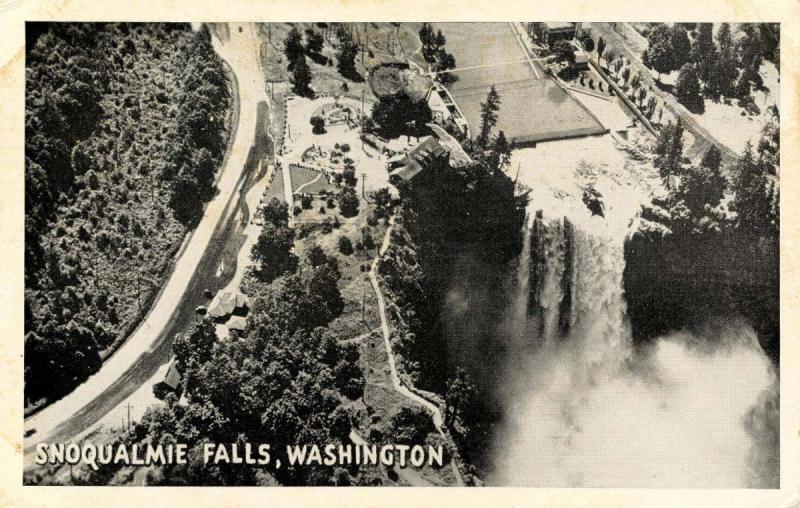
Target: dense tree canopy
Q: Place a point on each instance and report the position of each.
(125, 127)
(285, 380)
(400, 114)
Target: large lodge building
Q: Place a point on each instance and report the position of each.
(550, 32)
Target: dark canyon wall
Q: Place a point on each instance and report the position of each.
(680, 281)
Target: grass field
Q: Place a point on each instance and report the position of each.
(316, 186)
(302, 176)
(275, 189)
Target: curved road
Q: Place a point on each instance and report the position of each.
(138, 358)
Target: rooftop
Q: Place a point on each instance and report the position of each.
(224, 303)
(420, 157)
(559, 25)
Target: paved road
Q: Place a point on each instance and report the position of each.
(139, 356)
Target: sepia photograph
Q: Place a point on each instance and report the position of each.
(411, 254)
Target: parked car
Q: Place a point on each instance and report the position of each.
(201, 309)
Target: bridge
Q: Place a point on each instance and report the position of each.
(433, 74)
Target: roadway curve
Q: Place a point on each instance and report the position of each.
(146, 349)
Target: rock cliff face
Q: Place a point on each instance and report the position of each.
(680, 281)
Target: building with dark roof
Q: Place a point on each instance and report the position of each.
(550, 32)
(170, 383)
(427, 154)
(226, 303)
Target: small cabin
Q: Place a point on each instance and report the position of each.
(226, 303)
(170, 384)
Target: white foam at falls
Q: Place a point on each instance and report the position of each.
(597, 318)
(550, 293)
(688, 411)
(522, 282)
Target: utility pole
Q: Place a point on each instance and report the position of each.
(362, 102)
(129, 417)
(366, 45)
(363, 184)
(138, 291)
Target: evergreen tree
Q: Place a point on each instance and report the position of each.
(700, 187)
(724, 38)
(399, 114)
(724, 75)
(601, 46)
(314, 41)
(669, 151)
(426, 35)
(704, 52)
(756, 195)
(712, 159)
(587, 42)
(489, 110)
(346, 58)
(293, 47)
(687, 89)
(348, 202)
(681, 47)
(439, 40)
(301, 76)
(659, 54)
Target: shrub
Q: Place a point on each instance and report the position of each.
(366, 239)
(318, 124)
(348, 202)
(345, 245)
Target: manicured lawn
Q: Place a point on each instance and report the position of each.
(275, 189)
(302, 176)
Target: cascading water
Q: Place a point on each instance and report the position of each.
(584, 409)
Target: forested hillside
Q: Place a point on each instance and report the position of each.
(709, 247)
(125, 129)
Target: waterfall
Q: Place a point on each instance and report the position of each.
(576, 287)
(552, 289)
(522, 280)
(582, 408)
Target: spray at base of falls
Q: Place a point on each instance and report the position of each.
(583, 408)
